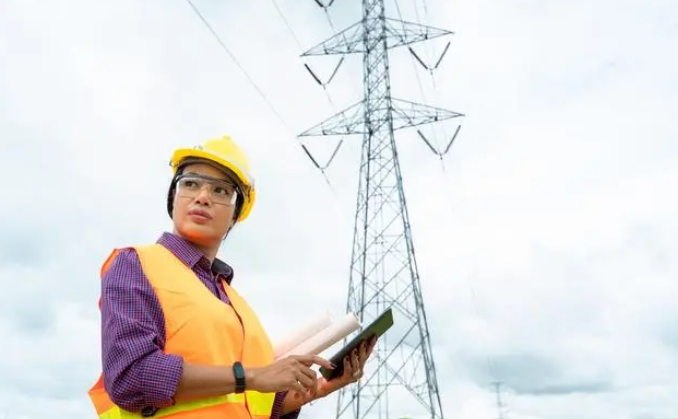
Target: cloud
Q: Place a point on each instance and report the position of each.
(546, 248)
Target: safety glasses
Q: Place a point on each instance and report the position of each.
(220, 191)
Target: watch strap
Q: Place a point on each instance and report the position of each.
(239, 373)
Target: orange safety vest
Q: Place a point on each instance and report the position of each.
(203, 330)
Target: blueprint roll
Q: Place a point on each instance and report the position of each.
(305, 333)
(328, 336)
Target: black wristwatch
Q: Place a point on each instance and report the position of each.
(239, 373)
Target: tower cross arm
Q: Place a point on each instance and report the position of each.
(405, 114)
(348, 41)
(401, 32)
(410, 114)
(349, 121)
(397, 32)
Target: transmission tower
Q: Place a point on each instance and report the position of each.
(400, 380)
(500, 403)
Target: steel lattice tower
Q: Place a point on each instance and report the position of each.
(383, 269)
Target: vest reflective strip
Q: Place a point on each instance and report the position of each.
(260, 405)
(117, 413)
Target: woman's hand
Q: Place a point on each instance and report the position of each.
(353, 371)
(291, 373)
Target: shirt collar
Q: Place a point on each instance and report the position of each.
(185, 251)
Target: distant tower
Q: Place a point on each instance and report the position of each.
(383, 268)
(500, 403)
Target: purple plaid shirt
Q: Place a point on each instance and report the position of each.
(137, 373)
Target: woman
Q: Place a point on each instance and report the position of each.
(177, 339)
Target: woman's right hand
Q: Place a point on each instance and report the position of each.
(293, 372)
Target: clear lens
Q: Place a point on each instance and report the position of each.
(221, 192)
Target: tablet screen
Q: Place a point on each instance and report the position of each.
(377, 328)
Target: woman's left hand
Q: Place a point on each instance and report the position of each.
(353, 371)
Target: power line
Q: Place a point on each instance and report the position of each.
(256, 87)
(237, 63)
(287, 24)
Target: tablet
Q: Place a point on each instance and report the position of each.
(376, 328)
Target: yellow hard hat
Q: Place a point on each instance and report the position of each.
(228, 155)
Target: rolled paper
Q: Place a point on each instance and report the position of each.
(302, 334)
(327, 337)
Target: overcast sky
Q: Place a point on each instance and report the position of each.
(547, 246)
